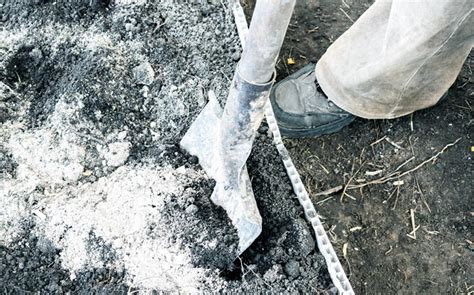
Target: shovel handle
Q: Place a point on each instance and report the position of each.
(267, 31)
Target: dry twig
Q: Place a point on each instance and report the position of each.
(412, 234)
(322, 201)
(422, 195)
(378, 140)
(393, 143)
(396, 174)
(330, 191)
(345, 13)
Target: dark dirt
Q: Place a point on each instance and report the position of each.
(207, 216)
(380, 257)
(60, 11)
(287, 242)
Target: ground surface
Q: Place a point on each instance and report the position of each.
(373, 222)
(95, 97)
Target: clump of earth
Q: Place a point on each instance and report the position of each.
(97, 195)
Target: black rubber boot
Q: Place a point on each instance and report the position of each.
(302, 109)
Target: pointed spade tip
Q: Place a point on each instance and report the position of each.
(248, 231)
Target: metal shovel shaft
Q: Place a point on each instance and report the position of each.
(267, 30)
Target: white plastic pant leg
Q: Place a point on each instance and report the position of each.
(398, 57)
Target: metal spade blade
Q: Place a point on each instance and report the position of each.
(222, 139)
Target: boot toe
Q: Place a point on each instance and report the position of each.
(301, 111)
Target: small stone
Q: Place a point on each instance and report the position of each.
(236, 56)
(194, 160)
(87, 173)
(263, 129)
(144, 74)
(191, 209)
(72, 171)
(117, 153)
(168, 199)
(181, 170)
(318, 263)
(271, 275)
(145, 91)
(278, 253)
(300, 238)
(471, 247)
(205, 10)
(122, 135)
(292, 268)
(128, 27)
(227, 239)
(36, 54)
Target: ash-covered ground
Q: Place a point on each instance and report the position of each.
(97, 195)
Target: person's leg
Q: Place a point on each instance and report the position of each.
(398, 57)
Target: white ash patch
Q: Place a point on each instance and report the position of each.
(120, 209)
(47, 157)
(115, 153)
(12, 210)
(9, 40)
(44, 157)
(94, 41)
(50, 155)
(129, 2)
